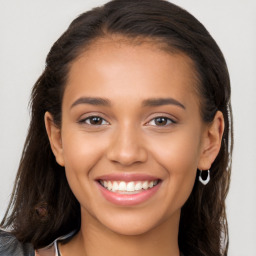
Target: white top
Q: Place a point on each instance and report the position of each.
(52, 249)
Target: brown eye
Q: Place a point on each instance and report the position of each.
(161, 121)
(95, 120)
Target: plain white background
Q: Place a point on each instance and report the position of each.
(29, 28)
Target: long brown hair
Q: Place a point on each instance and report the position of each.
(42, 206)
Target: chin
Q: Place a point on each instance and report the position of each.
(135, 230)
(137, 224)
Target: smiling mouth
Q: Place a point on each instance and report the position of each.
(131, 187)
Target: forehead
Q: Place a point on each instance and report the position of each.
(144, 66)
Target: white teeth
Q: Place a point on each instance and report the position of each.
(109, 185)
(138, 186)
(122, 186)
(145, 185)
(115, 186)
(131, 186)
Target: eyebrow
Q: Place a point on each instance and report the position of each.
(146, 103)
(91, 101)
(161, 102)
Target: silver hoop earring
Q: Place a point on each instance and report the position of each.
(206, 180)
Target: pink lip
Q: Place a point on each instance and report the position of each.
(127, 177)
(127, 199)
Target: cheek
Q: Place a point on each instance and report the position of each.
(81, 152)
(179, 156)
(178, 152)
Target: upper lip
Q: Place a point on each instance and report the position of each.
(127, 177)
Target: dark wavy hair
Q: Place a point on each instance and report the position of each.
(42, 206)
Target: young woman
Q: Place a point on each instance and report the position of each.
(130, 141)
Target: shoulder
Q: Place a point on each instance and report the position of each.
(10, 246)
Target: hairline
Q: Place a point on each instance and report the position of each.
(153, 42)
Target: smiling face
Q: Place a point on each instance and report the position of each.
(132, 137)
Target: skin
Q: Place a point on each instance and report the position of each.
(130, 140)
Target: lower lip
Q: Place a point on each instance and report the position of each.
(128, 199)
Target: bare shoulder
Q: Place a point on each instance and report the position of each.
(10, 246)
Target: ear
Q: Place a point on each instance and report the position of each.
(54, 135)
(211, 141)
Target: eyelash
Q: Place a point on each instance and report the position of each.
(90, 118)
(166, 121)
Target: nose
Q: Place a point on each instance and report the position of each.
(127, 147)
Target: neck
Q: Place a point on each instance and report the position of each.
(95, 239)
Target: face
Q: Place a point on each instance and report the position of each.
(131, 138)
